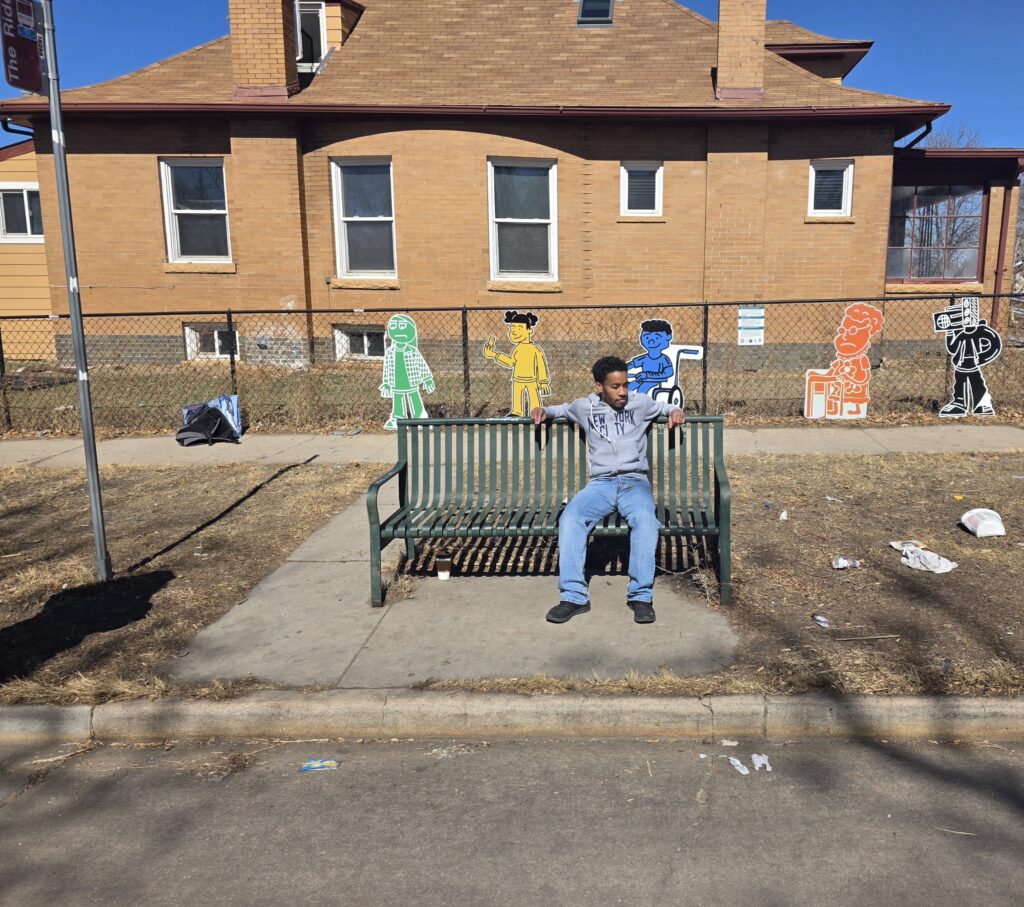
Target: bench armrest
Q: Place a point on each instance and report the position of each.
(723, 494)
(398, 470)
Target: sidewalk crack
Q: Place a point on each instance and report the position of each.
(383, 706)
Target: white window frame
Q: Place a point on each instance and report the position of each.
(192, 332)
(306, 6)
(552, 222)
(174, 255)
(343, 343)
(659, 190)
(341, 233)
(847, 167)
(20, 238)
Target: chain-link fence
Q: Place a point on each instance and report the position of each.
(321, 369)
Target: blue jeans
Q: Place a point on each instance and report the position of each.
(630, 496)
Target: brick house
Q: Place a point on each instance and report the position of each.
(451, 152)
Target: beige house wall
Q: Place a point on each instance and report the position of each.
(734, 224)
(24, 283)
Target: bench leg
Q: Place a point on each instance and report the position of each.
(410, 549)
(724, 551)
(376, 585)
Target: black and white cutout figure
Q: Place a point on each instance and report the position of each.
(972, 344)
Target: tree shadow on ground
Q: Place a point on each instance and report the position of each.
(74, 614)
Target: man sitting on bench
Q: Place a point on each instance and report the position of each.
(615, 424)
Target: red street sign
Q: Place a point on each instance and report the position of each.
(22, 67)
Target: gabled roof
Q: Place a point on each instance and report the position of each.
(442, 55)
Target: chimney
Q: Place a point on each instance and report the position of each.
(263, 48)
(741, 36)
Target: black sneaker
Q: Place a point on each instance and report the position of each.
(564, 611)
(643, 612)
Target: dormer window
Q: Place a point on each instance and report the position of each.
(312, 22)
(595, 12)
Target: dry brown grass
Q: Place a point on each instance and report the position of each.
(958, 634)
(187, 545)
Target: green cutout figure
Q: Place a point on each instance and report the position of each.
(405, 370)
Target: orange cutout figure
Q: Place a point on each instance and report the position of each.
(841, 390)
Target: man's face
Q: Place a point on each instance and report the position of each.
(614, 390)
(401, 329)
(518, 333)
(655, 341)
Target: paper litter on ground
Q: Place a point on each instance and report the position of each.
(899, 546)
(730, 742)
(920, 559)
(319, 765)
(738, 765)
(760, 762)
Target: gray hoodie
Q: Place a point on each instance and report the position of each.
(616, 438)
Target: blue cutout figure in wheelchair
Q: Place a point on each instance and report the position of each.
(657, 372)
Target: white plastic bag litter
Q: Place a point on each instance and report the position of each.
(983, 523)
(920, 559)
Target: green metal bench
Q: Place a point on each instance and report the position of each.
(507, 478)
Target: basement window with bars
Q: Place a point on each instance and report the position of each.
(523, 202)
(210, 341)
(364, 213)
(358, 341)
(831, 189)
(642, 185)
(595, 12)
(195, 210)
(935, 233)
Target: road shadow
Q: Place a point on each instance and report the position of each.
(74, 614)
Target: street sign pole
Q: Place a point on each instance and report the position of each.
(104, 570)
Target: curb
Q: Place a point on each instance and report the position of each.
(407, 713)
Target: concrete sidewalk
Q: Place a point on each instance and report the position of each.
(310, 623)
(60, 453)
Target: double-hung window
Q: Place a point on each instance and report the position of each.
(312, 35)
(831, 189)
(523, 219)
(641, 189)
(364, 214)
(935, 233)
(195, 210)
(21, 218)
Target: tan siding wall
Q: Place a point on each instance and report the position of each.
(24, 284)
(335, 25)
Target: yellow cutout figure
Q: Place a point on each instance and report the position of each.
(530, 377)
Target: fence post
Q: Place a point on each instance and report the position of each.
(3, 387)
(466, 398)
(949, 361)
(232, 352)
(704, 365)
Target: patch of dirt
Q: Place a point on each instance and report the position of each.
(187, 545)
(957, 633)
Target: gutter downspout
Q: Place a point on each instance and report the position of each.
(1004, 230)
(927, 132)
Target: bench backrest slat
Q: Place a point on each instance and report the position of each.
(473, 466)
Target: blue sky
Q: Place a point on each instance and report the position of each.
(936, 50)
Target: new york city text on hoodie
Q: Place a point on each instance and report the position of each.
(616, 438)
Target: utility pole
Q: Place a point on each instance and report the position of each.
(104, 570)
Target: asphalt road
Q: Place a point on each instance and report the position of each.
(513, 822)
